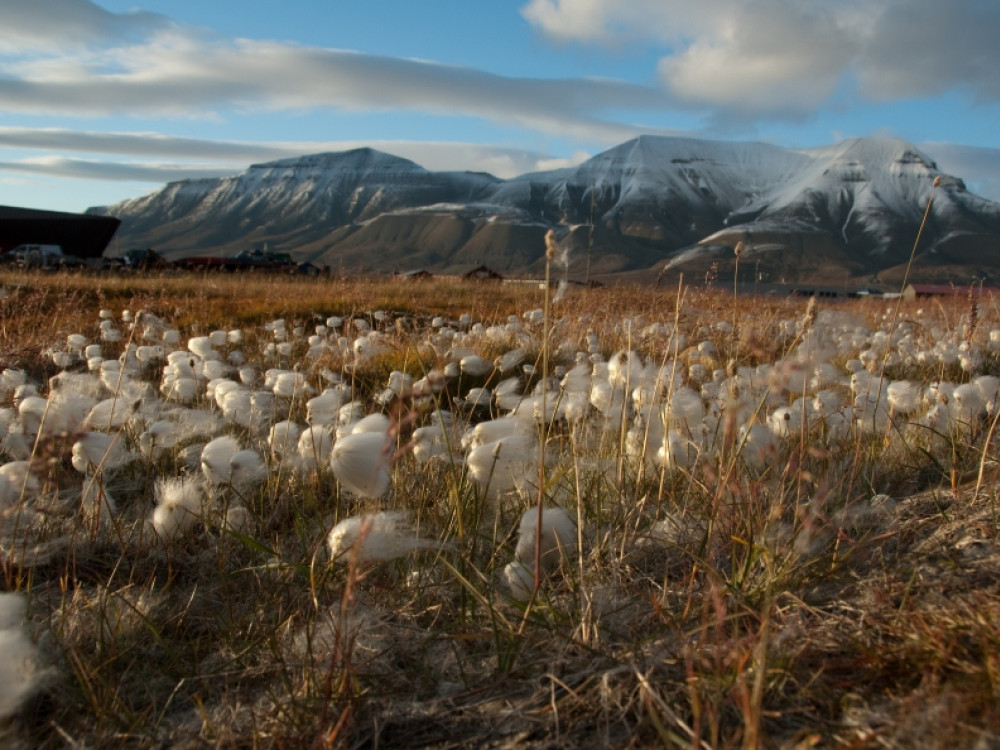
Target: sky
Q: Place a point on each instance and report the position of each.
(109, 100)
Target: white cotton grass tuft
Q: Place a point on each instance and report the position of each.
(100, 449)
(323, 409)
(677, 452)
(378, 423)
(674, 529)
(374, 537)
(757, 446)
(904, 396)
(247, 470)
(505, 464)
(519, 579)
(203, 347)
(178, 506)
(216, 457)
(237, 520)
(785, 422)
(20, 672)
(430, 442)
(967, 403)
(160, 436)
(314, 446)
(478, 398)
(475, 366)
(111, 413)
(558, 537)
(283, 439)
(989, 388)
(492, 430)
(10, 380)
(17, 483)
(360, 461)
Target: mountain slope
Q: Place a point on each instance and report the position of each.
(853, 208)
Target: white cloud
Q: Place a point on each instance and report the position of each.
(142, 65)
(38, 26)
(925, 47)
(615, 22)
(787, 57)
(59, 166)
(191, 158)
(142, 144)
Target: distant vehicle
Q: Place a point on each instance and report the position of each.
(266, 259)
(139, 259)
(44, 256)
(246, 260)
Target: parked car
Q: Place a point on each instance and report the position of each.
(44, 256)
(139, 259)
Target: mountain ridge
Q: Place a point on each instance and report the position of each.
(671, 204)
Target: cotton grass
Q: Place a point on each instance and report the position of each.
(356, 515)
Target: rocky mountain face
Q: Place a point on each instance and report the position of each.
(671, 205)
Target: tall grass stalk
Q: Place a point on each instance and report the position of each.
(550, 255)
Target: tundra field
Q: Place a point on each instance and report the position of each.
(239, 511)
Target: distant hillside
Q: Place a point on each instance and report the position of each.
(849, 211)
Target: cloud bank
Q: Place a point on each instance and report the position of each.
(143, 65)
(193, 158)
(784, 58)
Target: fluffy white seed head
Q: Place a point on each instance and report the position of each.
(374, 537)
(160, 436)
(677, 452)
(360, 461)
(324, 408)
(19, 668)
(283, 439)
(558, 537)
(178, 506)
(519, 579)
(430, 442)
(246, 470)
(758, 446)
(504, 464)
(202, 346)
(967, 402)
(314, 446)
(904, 396)
(475, 366)
(216, 457)
(17, 483)
(103, 449)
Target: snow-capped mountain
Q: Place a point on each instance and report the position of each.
(853, 209)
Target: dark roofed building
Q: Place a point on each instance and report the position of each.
(416, 273)
(81, 235)
(937, 290)
(482, 273)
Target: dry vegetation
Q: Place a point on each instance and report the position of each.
(839, 595)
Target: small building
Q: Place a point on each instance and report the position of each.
(481, 273)
(416, 273)
(914, 291)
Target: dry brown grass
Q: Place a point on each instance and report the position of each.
(789, 612)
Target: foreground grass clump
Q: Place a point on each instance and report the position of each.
(774, 525)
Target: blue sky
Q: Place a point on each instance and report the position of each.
(108, 100)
